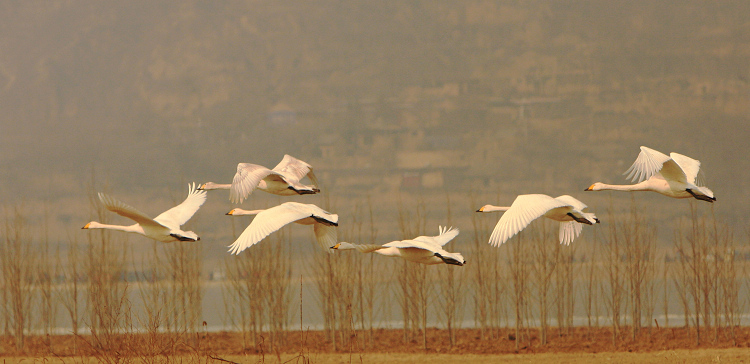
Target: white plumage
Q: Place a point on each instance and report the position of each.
(422, 249)
(165, 227)
(526, 208)
(675, 176)
(283, 180)
(270, 220)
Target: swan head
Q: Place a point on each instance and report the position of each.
(241, 212)
(91, 225)
(491, 208)
(343, 246)
(596, 186)
(207, 186)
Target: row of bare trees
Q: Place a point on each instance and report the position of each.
(614, 275)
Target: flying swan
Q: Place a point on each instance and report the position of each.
(526, 208)
(283, 180)
(269, 220)
(674, 176)
(165, 227)
(422, 249)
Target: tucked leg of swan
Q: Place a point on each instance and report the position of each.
(579, 219)
(700, 196)
(449, 260)
(183, 238)
(300, 191)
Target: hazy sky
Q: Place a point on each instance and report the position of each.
(146, 96)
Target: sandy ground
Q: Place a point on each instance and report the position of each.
(577, 346)
(734, 355)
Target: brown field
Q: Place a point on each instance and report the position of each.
(671, 345)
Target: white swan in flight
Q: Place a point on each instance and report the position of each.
(422, 249)
(165, 227)
(571, 213)
(675, 176)
(283, 180)
(269, 220)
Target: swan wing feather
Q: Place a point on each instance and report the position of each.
(128, 211)
(181, 213)
(689, 166)
(572, 201)
(446, 234)
(648, 163)
(290, 166)
(326, 236)
(246, 180)
(569, 230)
(267, 222)
(524, 210)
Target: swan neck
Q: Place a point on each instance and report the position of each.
(217, 186)
(636, 187)
(492, 208)
(128, 229)
(239, 212)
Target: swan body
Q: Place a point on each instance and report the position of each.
(423, 249)
(283, 180)
(674, 176)
(269, 220)
(165, 227)
(570, 212)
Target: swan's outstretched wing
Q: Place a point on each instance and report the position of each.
(265, 223)
(524, 210)
(295, 167)
(569, 231)
(180, 214)
(312, 178)
(689, 166)
(246, 180)
(446, 234)
(572, 201)
(648, 163)
(325, 235)
(128, 211)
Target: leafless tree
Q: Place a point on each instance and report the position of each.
(615, 271)
(519, 273)
(107, 305)
(542, 270)
(69, 290)
(17, 257)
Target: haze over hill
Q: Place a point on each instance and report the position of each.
(385, 99)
